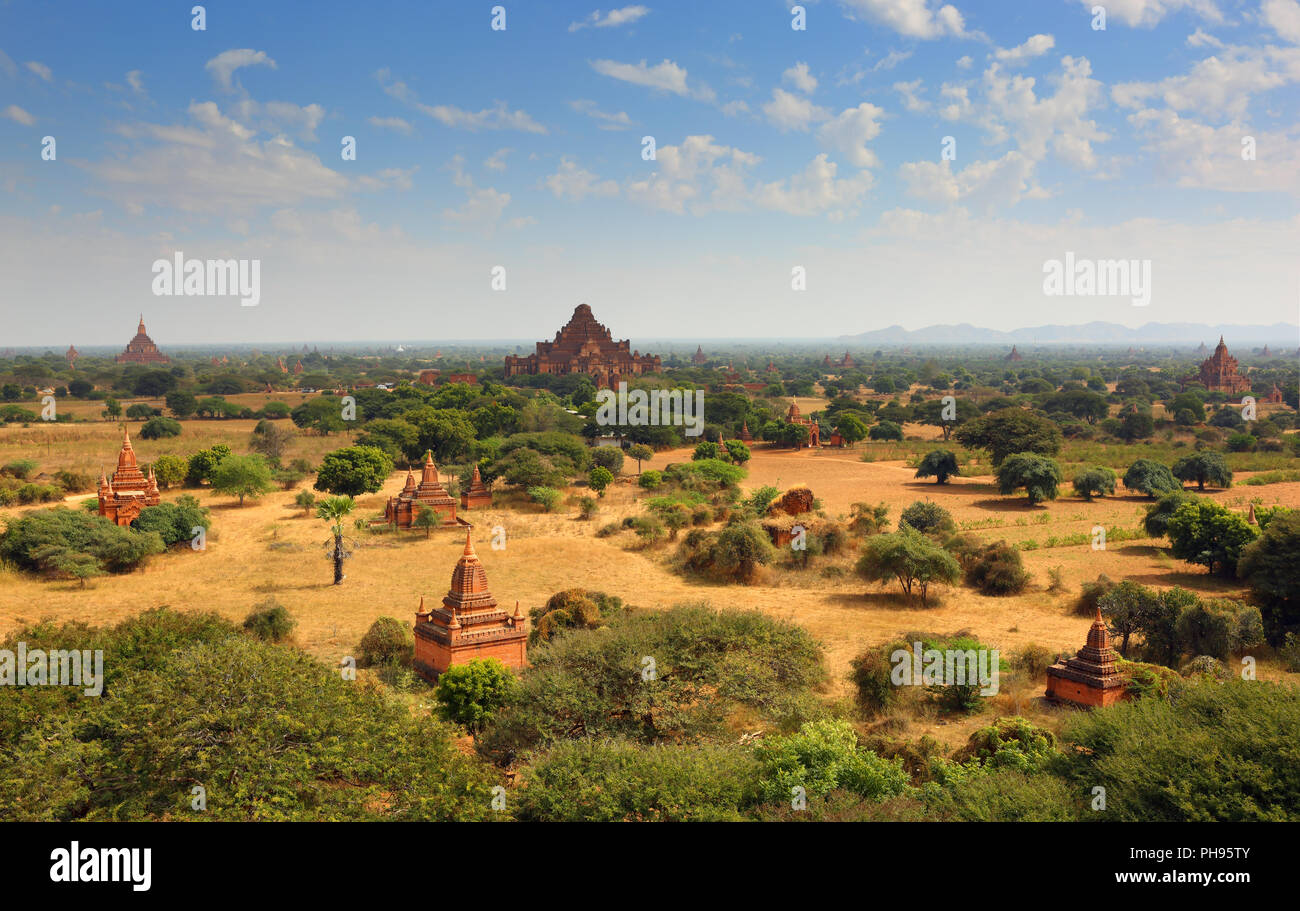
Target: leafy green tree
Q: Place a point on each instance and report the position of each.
(1271, 567)
(640, 452)
(1097, 481)
(1209, 534)
(546, 497)
(1081, 403)
(471, 694)
(909, 557)
(169, 470)
(242, 476)
(1151, 478)
(112, 409)
(940, 464)
(706, 450)
(41, 539)
(608, 457)
(80, 388)
(173, 522)
(1037, 475)
(323, 414)
(600, 478)
(427, 519)
(1127, 608)
(927, 517)
(740, 549)
(159, 428)
(824, 756)
(1135, 425)
(271, 440)
(181, 403)
(204, 462)
(1156, 521)
(335, 510)
(354, 470)
(388, 643)
(1008, 431)
(886, 430)
(737, 452)
(1204, 468)
(851, 428)
(306, 501)
(934, 413)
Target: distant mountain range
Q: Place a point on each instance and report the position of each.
(1281, 336)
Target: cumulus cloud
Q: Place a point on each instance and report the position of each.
(1147, 13)
(848, 134)
(608, 121)
(984, 185)
(572, 182)
(1035, 46)
(788, 111)
(914, 18)
(799, 77)
(613, 19)
(665, 77)
(497, 117)
(396, 124)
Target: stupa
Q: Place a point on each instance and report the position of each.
(122, 497)
(429, 493)
(585, 346)
(477, 494)
(1091, 678)
(142, 350)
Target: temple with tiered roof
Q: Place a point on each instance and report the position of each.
(585, 346)
(128, 491)
(1091, 678)
(477, 493)
(428, 493)
(142, 350)
(1219, 373)
(469, 624)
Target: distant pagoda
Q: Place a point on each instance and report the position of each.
(1015, 355)
(72, 354)
(699, 357)
(1091, 678)
(122, 497)
(142, 350)
(477, 494)
(584, 346)
(429, 493)
(1219, 373)
(469, 624)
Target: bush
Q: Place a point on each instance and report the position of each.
(1151, 478)
(1038, 475)
(908, 557)
(1033, 660)
(546, 497)
(1158, 514)
(1094, 482)
(75, 481)
(574, 608)
(1220, 628)
(470, 694)
(587, 507)
(886, 430)
(160, 428)
(22, 469)
(650, 479)
(270, 621)
(173, 522)
(823, 756)
(997, 569)
(388, 642)
(927, 517)
(870, 675)
(45, 541)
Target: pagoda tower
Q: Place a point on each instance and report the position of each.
(477, 494)
(745, 435)
(128, 491)
(1091, 678)
(1017, 356)
(142, 350)
(72, 354)
(429, 493)
(699, 357)
(469, 624)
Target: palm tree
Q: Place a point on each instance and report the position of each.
(334, 509)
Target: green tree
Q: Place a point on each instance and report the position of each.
(824, 756)
(909, 557)
(1204, 468)
(1008, 431)
(158, 428)
(1038, 475)
(600, 478)
(306, 501)
(1097, 481)
(471, 694)
(335, 510)
(1127, 608)
(1151, 478)
(737, 452)
(271, 440)
(1271, 568)
(169, 470)
(940, 464)
(354, 470)
(204, 462)
(1209, 534)
(112, 409)
(427, 519)
(851, 428)
(886, 430)
(1156, 521)
(242, 476)
(181, 404)
(706, 450)
(640, 452)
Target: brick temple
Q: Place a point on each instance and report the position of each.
(1091, 678)
(476, 494)
(1219, 373)
(122, 497)
(468, 624)
(142, 350)
(793, 416)
(429, 493)
(583, 345)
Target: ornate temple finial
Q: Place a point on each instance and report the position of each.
(1097, 618)
(469, 544)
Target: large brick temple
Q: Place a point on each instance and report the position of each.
(122, 497)
(584, 346)
(468, 624)
(142, 350)
(1219, 373)
(1091, 678)
(429, 493)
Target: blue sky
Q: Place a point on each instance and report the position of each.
(522, 148)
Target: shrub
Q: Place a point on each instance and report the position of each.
(470, 694)
(608, 457)
(158, 428)
(1158, 514)
(1033, 660)
(573, 608)
(1269, 565)
(886, 430)
(870, 674)
(75, 481)
(867, 519)
(600, 478)
(41, 541)
(1209, 534)
(927, 517)
(1094, 482)
(173, 522)
(997, 569)
(1090, 593)
(824, 756)
(908, 557)
(546, 497)
(587, 507)
(387, 642)
(939, 464)
(1151, 478)
(1220, 628)
(22, 469)
(650, 479)
(1038, 475)
(270, 621)
(1009, 743)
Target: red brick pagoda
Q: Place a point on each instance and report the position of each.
(1219, 373)
(1091, 678)
(792, 416)
(699, 357)
(429, 493)
(584, 346)
(129, 491)
(142, 350)
(72, 354)
(468, 624)
(477, 494)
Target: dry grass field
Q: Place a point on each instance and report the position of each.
(270, 549)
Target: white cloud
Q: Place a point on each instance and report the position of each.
(848, 134)
(788, 111)
(483, 206)
(985, 185)
(1146, 13)
(608, 121)
(396, 124)
(573, 182)
(1203, 156)
(7, 65)
(890, 60)
(1035, 46)
(224, 65)
(135, 79)
(914, 18)
(666, 76)
(214, 166)
(698, 176)
(911, 94)
(279, 117)
(40, 69)
(497, 160)
(1221, 85)
(1200, 38)
(497, 117)
(613, 19)
(800, 78)
(815, 191)
(387, 179)
(18, 115)
(1283, 16)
